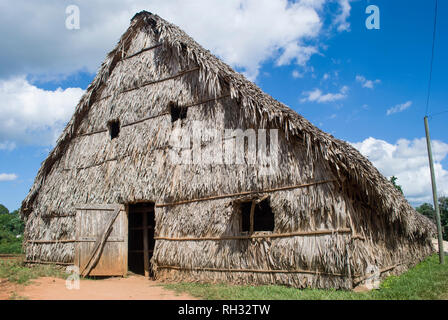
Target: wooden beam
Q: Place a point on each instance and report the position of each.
(255, 236)
(252, 213)
(159, 205)
(89, 206)
(141, 51)
(315, 272)
(49, 262)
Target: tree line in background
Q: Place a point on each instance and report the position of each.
(11, 231)
(427, 209)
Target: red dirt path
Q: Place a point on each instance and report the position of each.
(130, 288)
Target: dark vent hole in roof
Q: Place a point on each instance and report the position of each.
(114, 128)
(177, 112)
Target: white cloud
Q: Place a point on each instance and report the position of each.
(297, 53)
(8, 176)
(344, 13)
(367, 83)
(408, 161)
(296, 74)
(318, 96)
(399, 108)
(31, 115)
(245, 33)
(7, 145)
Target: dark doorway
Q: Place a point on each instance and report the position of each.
(141, 237)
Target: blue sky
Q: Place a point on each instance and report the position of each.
(331, 69)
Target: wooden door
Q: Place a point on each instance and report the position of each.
(107, 224)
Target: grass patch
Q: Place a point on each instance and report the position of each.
(15, 271)
(426, 281)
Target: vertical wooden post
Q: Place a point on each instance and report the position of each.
(145, 244)
(252, 212)
(434, 194)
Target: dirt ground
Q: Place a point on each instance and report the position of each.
(130, 288)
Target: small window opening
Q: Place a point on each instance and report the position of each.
(263, 217)
(177, 112)
(114, 128)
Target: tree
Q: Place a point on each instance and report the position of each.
(11, 230)
(3, 209)
(427, 210)
(443, 207)
(393, 180)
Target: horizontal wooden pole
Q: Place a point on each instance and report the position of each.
(147, 83)
(51, 241)
(141, 51)
(49, 262)
(73, 240)
(314, 272)
(155, 116)
(255, 236)
(159, 205)
(144, 119)
(97, 206)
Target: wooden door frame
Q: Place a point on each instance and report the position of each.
(146, 260)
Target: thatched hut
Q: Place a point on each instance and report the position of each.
(109, 199)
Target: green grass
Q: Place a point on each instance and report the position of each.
(15, 271)
(426, 281)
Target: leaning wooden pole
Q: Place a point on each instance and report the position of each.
(434, 193)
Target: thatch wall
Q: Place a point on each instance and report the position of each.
(136, 87)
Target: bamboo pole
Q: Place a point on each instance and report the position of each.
(273, 235)
(49, 262)
(51, 241)
(253, 270)
(160, 205)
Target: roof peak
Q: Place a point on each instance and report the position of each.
(142, 14)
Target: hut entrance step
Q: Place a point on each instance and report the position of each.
(141, 224)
